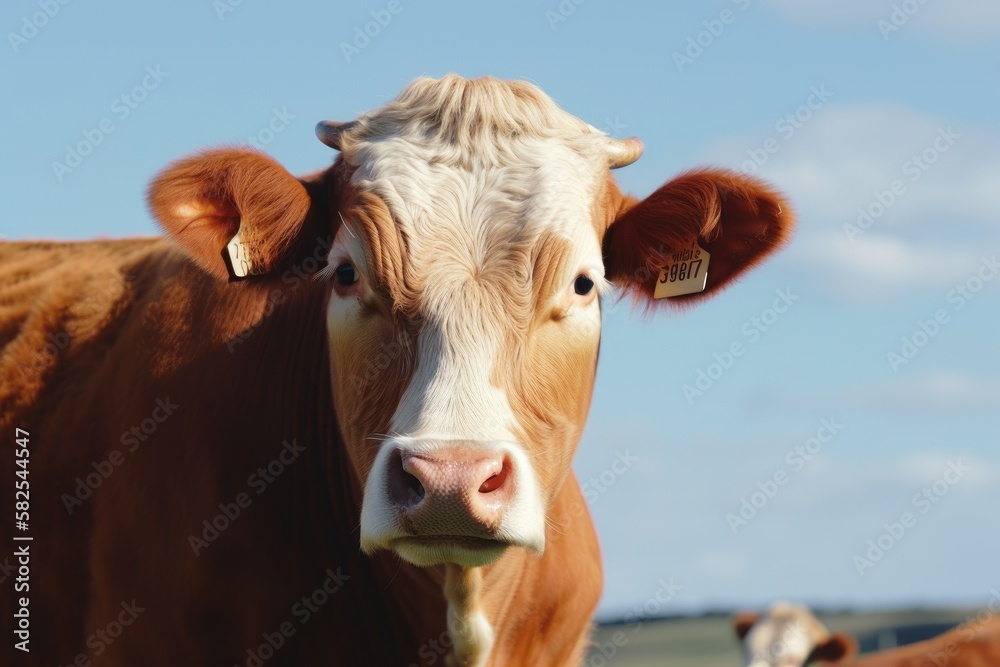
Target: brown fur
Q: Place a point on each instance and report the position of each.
(202, 201)
(970, 645)
(738, 219)
(975, 643)
(249, 366)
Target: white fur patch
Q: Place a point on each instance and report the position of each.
(471, 633)
(472, 636)
(784, 637)
(474, 173)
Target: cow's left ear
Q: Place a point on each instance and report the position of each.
(837, 648)
(742, 623)
(204, 200)
(738, 220)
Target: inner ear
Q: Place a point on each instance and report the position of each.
(204, 200)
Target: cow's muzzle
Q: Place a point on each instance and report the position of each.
(458, 491)
(460, 502)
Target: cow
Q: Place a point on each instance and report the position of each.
(789, 635)
(329, 420)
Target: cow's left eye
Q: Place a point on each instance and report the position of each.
(582, 285)
(346, 275)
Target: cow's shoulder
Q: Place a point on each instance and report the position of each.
(57, 298)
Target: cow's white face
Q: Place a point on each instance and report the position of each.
(465, 302)
(788, 635)
(777, 643)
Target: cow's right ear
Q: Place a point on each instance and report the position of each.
(203, 201)
(735, 220)
(835, 649)
(743, 622)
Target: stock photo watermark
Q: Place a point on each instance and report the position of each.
(258, 481)
(927, 329)
(32, 24)
(58, 342)
(100, 640)
(786, 127)
(968, 632)
(302, 611)
(714, 28)
(292, 279)
(562, 12)
(796, 459)
(364, 34)
(752, 330)
(280, 119)
(900, 15)
(223, 7)
(599, 484)
(596, 486)
(913, 168)
(923, 502)
(603, 654)
(121, 108)
(131, 440)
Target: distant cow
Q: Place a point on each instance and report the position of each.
(790, 636)
(329, 420)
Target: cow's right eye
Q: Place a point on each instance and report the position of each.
(346, 274)
(582, 285)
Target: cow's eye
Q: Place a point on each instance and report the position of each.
(346, 274)
(582, 285)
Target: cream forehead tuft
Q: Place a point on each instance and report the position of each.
(471, 115)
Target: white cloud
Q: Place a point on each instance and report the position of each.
(839, 168)
(937, 391)
(925, 468)
(840, 157)
(943, 391)
(961, 20)
(876, 266)
(954, 22)
(728, 565)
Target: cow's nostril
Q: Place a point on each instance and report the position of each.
(404, 489)
(497, 481)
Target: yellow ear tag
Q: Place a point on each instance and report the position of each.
(239, 260)
(686, 273)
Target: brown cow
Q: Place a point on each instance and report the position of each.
(329, 420)
(790, 636)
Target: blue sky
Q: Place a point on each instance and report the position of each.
(879, 97)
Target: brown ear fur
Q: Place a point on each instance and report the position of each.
(837, 648)
(742, 623)
(738, 219)
(203, 200)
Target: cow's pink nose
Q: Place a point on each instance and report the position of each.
(455, 491)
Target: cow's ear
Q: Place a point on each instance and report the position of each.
(742, 623)
(204, 200)
(838, 647)
(736, 219)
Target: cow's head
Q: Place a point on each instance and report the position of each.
(475, 228)
(788, 635)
